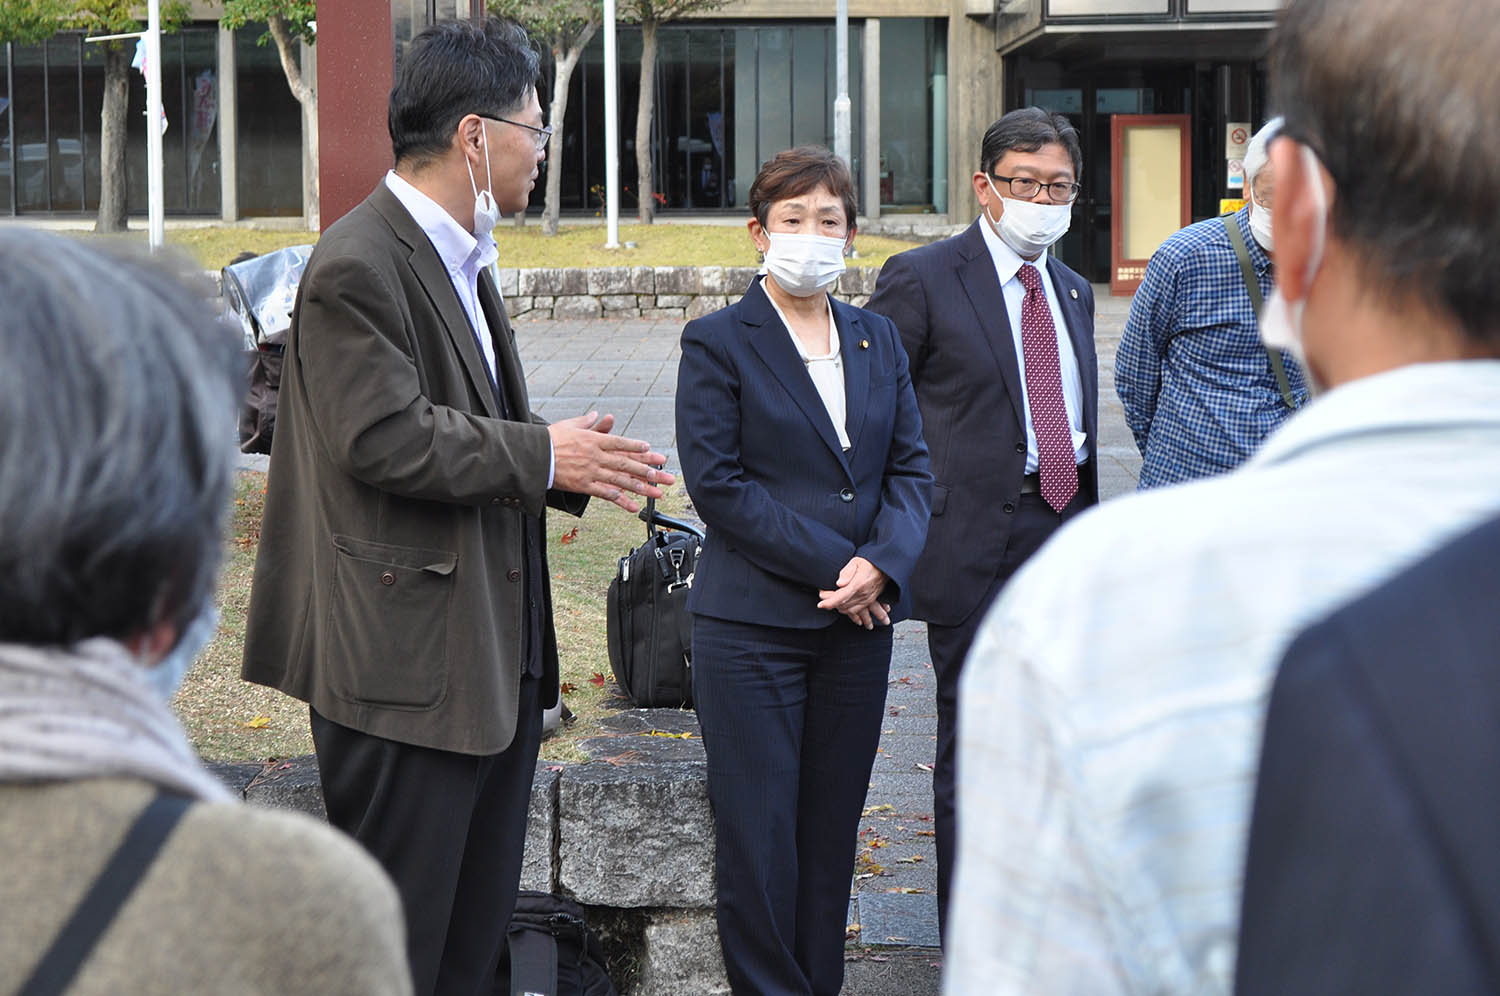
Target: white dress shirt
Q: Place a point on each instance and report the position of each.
(463, 256)
(1110, 712)
(1007, 268)
(827, 371)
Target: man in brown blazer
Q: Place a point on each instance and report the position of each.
(401, 587)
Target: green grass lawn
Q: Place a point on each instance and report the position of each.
(231, 720)
(662, 244)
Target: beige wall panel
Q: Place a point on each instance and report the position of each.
(1151, 162)
(974, 102)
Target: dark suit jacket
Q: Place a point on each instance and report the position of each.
(946, 300)
(1374, 860)
(786, 507)
(389, 586)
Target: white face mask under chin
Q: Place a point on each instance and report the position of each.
(486, 211)
(1280, 320)
(1260, 225)
(803, 265)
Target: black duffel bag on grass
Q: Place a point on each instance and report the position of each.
(552, 950)
(649, 628)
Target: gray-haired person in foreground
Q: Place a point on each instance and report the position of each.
(117, 406)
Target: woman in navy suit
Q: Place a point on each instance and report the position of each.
(802, 448)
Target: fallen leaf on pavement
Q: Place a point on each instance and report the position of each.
(597, 679)
(258, 723)
(569, 536)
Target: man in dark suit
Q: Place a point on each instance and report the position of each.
(1373, 864)
(1001, 341)
(401, 586)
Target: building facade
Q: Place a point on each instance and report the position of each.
(733, 86)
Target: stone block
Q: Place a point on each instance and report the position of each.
(619, 302)
(706, 304)
(737, 279)
(576, 306)
(609, 280)
(545, 280)
(642, 280)
(860, 300)
(636, 835)
(681, 955)
(664, 314)
(291, 784)
(510, 281)
(872, 277)
(677, 280)
(674, 300)
(851, 281)
(538, 864)
(517, 306)
(712, 280)
(543, 302)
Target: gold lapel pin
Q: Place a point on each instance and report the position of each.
(864, 344)
(1073, 293)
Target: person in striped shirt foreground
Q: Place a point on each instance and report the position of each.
(1199, 389)
(1111, 710)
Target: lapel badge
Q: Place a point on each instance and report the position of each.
(1073, 293)
(864, 344)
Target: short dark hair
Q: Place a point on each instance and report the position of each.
(1399, 106)
(452, 69)
(117, 419)
(1027, 130)
(797, 171)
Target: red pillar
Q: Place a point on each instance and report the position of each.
(355, 51)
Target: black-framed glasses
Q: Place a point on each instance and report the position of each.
(540, 135)
(1024, 187)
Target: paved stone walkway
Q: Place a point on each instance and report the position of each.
(629, 367)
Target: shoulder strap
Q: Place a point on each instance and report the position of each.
(533, 960)
(1252, 285)
(73, 944)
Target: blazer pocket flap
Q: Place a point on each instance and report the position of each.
(412, 558)
(939, 498)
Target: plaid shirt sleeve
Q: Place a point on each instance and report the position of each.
(1138, 363)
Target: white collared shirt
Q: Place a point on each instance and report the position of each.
(827, 372)
(1110, 711)
(1007, 266)
(463, 255)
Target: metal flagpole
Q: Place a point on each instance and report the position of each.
(155, 206)
(612, 130)
(842, 137)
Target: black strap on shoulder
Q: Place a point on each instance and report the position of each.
(126, 867)
(533, 961)
(1247, 270)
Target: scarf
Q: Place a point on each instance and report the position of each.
(86, 711)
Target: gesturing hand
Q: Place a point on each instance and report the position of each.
(588, 460)
(857, 594)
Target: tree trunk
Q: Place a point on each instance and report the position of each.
(307, 95)
(113, 201)
(557, 112)
(644, 184)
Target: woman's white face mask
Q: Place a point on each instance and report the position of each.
(803, 265)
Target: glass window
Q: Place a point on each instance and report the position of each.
(7, 204)
(269, 146)
(64, 120)
(29, 114)
(907, 49)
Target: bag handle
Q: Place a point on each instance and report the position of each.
(124, 871)
(1247, 270)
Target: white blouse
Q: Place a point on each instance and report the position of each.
(827, 372)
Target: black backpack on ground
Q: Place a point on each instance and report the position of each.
(552, 950)
(649, 628)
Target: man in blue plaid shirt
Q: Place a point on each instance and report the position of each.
(1196, 382)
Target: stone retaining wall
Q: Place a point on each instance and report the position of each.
(667, 292)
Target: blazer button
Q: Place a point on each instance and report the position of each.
(512, 575)
(1020, 447)
(1009, 507)
(387, 578)
(846, 495)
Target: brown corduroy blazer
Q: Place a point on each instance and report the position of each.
(389, 587)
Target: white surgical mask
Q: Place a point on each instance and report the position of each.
(166, 674)
(486, 211)
(803, 265)
(1280, 320)
(1260, 224)
(1030, 227)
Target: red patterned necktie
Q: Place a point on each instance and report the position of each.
(1049, 416)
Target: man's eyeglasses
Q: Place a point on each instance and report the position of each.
(1025, 188)
(540, 135)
